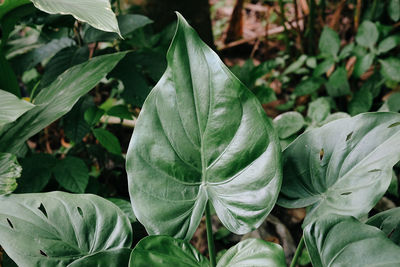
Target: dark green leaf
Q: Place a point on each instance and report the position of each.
(213, 143)
(288, 124)
(308, 86)
(108, 140)
(75, 126)
(343, 167)
(120, 111)
(392, 103)
(394, 185)
(10, 171)
(329, 42)
(125, 206)
(361, 102)
(264, 94)
(389, 43)
(56, 229)
(71, 85)
(253, 252)
(11, 107)
(160, 251)
(346, 51)
(362, 64)
(344, 241)
(8, 79)
(390, 68)
(367, 34)
(389, 222)
(338, 84)
(323, 67)
(72, 174)
(394, 10)
(93, 115)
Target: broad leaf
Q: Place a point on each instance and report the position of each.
(11, 107)
(318, 110)
(389, 43)
(361, 101)
(56, 229)
(201, 136)
(308, 86)
(288, 124)
(344, 241)
(108, 140)
(159, 251)
(338, 84)
(391, 104)
(329, 43)
(112, 257)
(344, 167)
(8, 79)
(394, 9)
(125, 206)
(253, 252)
(10, 170)
(367, 34)
(362, 64)
(390, 68)
(72, 174)
(97, 13)
(389, 222)
(323, 67)
(56, 100)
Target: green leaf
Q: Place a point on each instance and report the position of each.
(120, 111)
(389, 43)
(308, 86)
(318, 110)
(390, 68)
(11, 107)
(108, 140)
(50, 106)
(389, 222)
(362, 64)
(75, 126)
(213, 143)
(288, 124)
(361, 102)
(125, 206)
(323, 67)
(344, 241)
(93, 115)
(335, 116)
(338, 85)
(8, 79)
(36, 172)
(346, 51)
(10, 171)
(394, 10)
(392, 103)
(253, 252)
(346, 166)
(56, 229)
(264, 94)
(394, 185)
(367, 34)
(97, 13)
(72, 174)
(329, 42)
(160, 251)
(295, 65)
(112, 257)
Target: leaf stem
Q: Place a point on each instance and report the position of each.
(297, 254)
(210, 238)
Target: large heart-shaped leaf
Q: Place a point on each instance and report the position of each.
(10, 170)
(11, 107)
(253, 252)
(344, 167)
(97, 13)
(201, 136)
(56, 100)
(344, 241)
(389, 222)
(159, 251)
(56, 229)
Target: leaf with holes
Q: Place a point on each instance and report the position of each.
(344, 167)
(10, 170)
(201, 136)
(389, 222)
(344, 241)
(57, 229)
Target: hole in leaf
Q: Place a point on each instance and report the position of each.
(375, 170)
(346, 193)
(10, 223)
(348, 137)
(321, 154)
(43, 209)
(391, 233)
(394, 124)
(43, 253)
(80, 211)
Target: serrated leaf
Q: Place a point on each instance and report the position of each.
(57, 229)
(97, 13)
(389, 222)
(344, 241)
(367, 34)
(390, 68)
(288, 124)
(10, 171)
(329, 42)
(343, 167)
(107, 140)
(11, 107)
(72, 174)
(201, 136)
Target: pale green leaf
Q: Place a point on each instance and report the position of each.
(11, 107)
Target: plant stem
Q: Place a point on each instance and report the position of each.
(210, 238)
(310, 28)
(283, 18)
(9, 5)
(373, 9)
(297, 254)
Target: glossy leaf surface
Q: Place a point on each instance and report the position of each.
(56, 229)
(159, 251)
(10, 170)
(389, 222)
(201, 136)
(344, 167)
(11, 107)
(344, 241)
(56, 100)
(288, 124)
(97, 13)
(253, 252)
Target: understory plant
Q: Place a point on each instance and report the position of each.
(203, 145)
